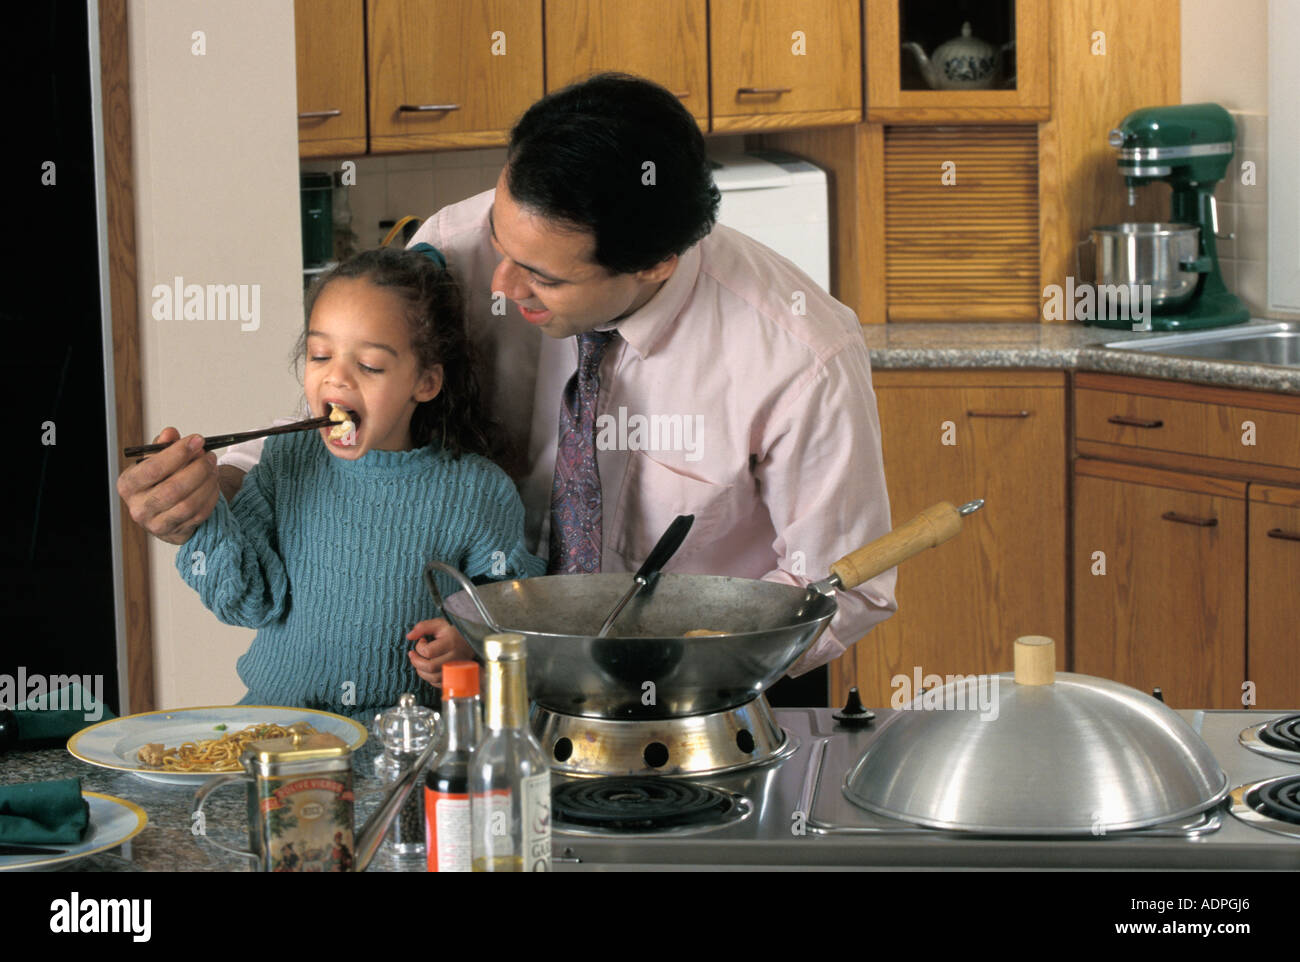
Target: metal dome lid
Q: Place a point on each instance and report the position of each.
(1036, 753)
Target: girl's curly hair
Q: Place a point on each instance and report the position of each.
(435, 315)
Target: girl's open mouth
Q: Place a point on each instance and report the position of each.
(346, 421)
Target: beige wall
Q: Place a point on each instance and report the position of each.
(1225, 53)
(216, 173)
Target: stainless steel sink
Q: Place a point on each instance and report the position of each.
(1276, 343)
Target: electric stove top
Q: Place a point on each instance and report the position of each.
(792, 813)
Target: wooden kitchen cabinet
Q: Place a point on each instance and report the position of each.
(777, 64)
(666, 42)
(330, 45)
(956, 436)
(451, 73)
(1273, 597)
(889, 101)
(1159, 576)
(1208, 607)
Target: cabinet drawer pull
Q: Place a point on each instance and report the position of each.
(763, 90)
(681, 94)
(997, 414)
(1135, 422)
(319, 114)
(1284, 535)
(425, 108)
(1188, 519)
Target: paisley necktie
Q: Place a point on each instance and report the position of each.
(575, 494)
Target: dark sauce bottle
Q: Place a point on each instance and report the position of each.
(446, 786)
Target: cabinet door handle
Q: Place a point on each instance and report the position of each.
(681, 94)
(997, 414)
(763, 90)
(319, 114)
(1188, 519)
(1135, 422)
(425, 108)
(1283, 535)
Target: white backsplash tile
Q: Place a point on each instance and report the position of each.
(394, 185)
(410, 161)
(411, 192)
(1246, 270)
(1252, 232)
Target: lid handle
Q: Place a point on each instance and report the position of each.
(1035, 660)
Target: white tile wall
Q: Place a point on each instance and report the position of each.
(390, 187)
(1243, 212)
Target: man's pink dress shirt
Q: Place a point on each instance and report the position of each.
(740, 393)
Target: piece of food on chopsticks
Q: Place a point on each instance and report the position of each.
(345, 422)
(214, 754)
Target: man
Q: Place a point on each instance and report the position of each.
(642, 363)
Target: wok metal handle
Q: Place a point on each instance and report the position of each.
(465, 583)
(933, 526)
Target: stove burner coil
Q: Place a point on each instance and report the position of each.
(638, 804)
(1282, 733)
(1278, 799)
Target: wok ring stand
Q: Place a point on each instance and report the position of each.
(707, 744)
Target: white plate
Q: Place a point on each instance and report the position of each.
(112, 822)
(114, 743)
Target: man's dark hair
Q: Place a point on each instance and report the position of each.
(580, 155)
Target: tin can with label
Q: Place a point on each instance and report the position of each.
(300, 803)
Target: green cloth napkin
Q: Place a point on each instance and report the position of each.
(41, 719)
(43, 813)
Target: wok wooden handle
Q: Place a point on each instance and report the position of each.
(933, 526)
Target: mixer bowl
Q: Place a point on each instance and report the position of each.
(1137, 254)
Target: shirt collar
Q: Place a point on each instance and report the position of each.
(646, 327)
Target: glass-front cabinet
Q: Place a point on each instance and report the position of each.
(957, 61)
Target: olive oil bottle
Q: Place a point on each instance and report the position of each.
(510, 778)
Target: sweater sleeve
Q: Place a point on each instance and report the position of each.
(496, 540)
(232, 560)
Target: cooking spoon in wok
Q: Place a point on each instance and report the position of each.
(663, 550)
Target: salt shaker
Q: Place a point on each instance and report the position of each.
(405, 731)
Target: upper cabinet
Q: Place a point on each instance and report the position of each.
(779, 64)
(927, 63)
(331, 57)
(451, 73)
(666, 42)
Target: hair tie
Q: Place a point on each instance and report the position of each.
(431, 252)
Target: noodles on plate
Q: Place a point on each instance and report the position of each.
(214, 754)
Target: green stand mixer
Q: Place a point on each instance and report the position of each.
(1189, 147)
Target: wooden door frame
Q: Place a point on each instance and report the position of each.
(119, 184)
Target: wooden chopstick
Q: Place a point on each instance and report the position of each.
(225, 440)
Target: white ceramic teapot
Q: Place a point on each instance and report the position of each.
(962, 63)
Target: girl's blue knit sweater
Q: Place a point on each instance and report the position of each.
(325, 558)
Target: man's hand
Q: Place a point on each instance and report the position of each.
(171, 493)
(436, 643)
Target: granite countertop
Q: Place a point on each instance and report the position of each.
(1058, 346)
(167, 843)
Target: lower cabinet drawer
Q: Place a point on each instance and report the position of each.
(1228, 431)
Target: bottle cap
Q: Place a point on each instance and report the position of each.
(460, 679)
(508, 646)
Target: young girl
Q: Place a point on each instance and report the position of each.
(324, 547)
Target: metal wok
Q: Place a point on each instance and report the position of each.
(646, 668)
